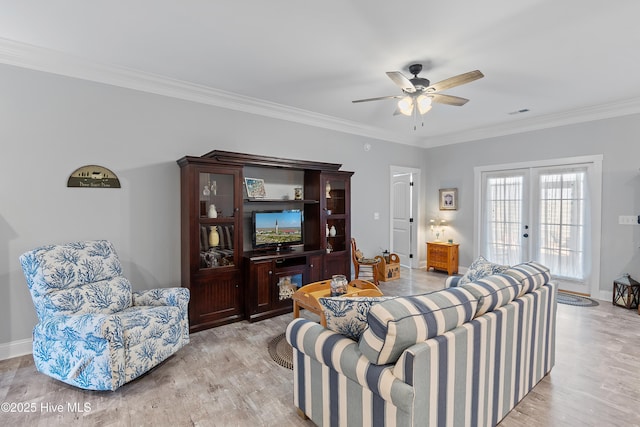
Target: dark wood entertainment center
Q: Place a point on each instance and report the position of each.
(229, 279)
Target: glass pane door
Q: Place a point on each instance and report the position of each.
(335, 193)
(562, 207)
(217, 223)
(541, 214)
(505, 217)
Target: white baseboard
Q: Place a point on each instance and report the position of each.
(16, 348)
(603, 296)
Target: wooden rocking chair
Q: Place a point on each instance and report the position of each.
(365, 268)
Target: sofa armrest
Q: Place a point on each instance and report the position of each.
(176, 297)
(343, 355)
(452, 281)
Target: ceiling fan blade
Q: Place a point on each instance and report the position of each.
(455, 81)
(378, 98)
(402, 82)
(441, 98)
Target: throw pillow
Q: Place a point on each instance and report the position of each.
(348, 315)
(481, 268)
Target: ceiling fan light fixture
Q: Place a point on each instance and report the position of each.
(405, 105)
(424, 104)
(418, 93)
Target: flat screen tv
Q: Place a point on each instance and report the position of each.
(277, 228)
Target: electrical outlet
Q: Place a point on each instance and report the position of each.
(627, 219)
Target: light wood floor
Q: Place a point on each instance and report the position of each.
(225, 377)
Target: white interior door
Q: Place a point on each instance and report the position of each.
(403, 213)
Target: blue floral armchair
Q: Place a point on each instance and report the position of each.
(93, 331)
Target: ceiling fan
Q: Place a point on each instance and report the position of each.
(418, 93)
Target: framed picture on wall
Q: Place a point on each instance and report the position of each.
(448, 199)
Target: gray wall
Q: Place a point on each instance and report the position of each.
(616, 139)
(52, 125)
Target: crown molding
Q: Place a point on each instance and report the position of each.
(50, 61)
(579, 115)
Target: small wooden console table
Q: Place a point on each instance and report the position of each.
(442, 256)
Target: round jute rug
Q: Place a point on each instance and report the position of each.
(577, 300)
(280, 351)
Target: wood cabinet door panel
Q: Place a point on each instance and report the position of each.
(337, 263)
(215, 299)
(316, 267)
(262, 280)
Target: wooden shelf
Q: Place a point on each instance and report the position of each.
(304, 202)
(216, 221)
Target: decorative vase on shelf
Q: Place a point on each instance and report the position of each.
(327, 230)
(332, 231)
(213, 213)
(214, 237)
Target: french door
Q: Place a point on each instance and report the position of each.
(505, 218)
(542, 213)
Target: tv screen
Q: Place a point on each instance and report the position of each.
(277, 228)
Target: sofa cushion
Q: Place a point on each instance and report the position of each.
(399, 323)
(348, 315)
(481, 268)
(531, 276)
(104, 296)
(493, 291)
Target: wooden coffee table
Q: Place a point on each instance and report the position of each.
(307, 296)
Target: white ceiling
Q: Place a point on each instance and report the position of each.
(566, 61)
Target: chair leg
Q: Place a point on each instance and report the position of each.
(375, 275)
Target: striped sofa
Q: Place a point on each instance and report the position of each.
(462, 356)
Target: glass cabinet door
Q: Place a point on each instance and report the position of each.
(335, 191)
(217, 219)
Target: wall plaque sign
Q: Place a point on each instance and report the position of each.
(93, 176)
